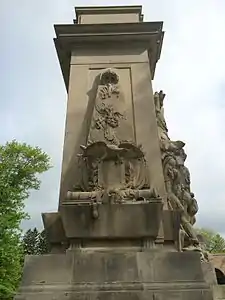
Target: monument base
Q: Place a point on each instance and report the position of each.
(87, 274)
(219, 292)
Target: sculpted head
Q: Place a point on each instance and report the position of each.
(161, 97)
(109, 76)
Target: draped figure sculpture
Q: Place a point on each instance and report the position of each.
(177, 180)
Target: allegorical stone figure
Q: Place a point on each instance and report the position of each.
(165, 143)
(178, 198)
(177, 179)
(190, 202)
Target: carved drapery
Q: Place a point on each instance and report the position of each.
(178, 197)
(177, 179)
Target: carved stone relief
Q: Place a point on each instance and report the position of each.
(113, 168)
(165, 143)
(109, 109)
(178, 198)
(177, 180)
(120, 171)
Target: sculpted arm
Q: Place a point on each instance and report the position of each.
(157, 102)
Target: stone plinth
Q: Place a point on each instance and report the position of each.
(119, 225)
(111, 275)
(116, 221)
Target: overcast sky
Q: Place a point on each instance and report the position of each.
(191, 72)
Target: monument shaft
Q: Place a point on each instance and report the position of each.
(123, 48)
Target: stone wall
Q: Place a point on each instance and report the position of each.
(218, 261)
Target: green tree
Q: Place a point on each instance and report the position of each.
(20, 165)
(214, 242)
(30, 242)
(35, 243)
(43, 245)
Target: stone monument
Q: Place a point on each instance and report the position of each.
(124, 226)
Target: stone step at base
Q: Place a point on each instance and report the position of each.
(110, 275)
(219, 292)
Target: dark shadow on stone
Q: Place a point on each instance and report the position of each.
(220, 276)
(73, 174)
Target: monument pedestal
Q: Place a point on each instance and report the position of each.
(114, 275)
(115, 257)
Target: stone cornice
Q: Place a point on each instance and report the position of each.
(142, 27)
(148, 35)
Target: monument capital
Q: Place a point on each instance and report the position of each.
(118, 28)
(108, 14)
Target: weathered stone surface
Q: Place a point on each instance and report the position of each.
(219, 292)
(110, 275)
(218, 261)
(47, 269)
(171, 225)
(54, 227)
(209, 273)
(90, 15)
(184, 295)
(114, 221)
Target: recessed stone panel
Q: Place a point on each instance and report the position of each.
(115, 221)
(101, 267)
